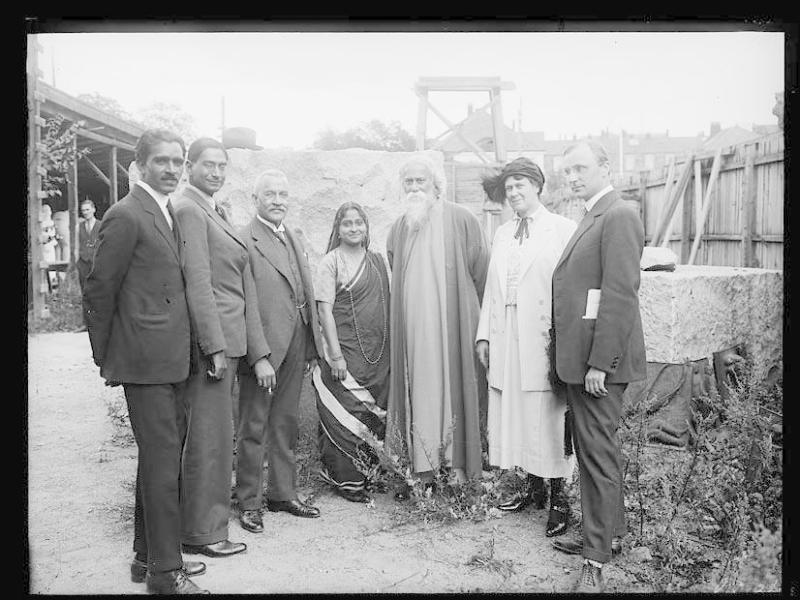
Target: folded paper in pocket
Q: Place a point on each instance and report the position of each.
(592, 303)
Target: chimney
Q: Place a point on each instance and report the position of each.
(715, 128)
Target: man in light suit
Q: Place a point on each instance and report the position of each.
(268, 421)
(599, 349)
(224, 311)
(139, 328)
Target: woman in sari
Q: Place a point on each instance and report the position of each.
(352, 293)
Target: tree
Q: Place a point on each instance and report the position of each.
(60, 153)
(109, 105)
(165, 115)
(374, 135)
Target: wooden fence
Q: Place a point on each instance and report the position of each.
(742, 196)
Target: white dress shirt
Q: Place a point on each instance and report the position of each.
(161, 200)
(269, 224)
(593, 200)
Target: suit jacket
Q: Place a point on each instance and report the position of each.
(219, 283)
(549, 235)
(604, 253)
(275, 290)
(137, 315)
(87, 241)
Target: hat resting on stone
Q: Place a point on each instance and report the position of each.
(240, 137)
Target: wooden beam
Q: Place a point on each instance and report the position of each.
(422, 118)
(112, 176)
(668, 183)
(686, 224)
(474, 84)
(73, 204)
(497, 125)
(749, 193)
(698, 192)
(122, 170)
(643, 197)
(669, 209)
(36, 296)
(97, 170)
(474, 147)
(104, 139)
(701, 223)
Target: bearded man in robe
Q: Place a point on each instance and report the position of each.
(439, 258)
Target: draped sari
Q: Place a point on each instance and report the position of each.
(352, 413)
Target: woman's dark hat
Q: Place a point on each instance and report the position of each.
(240, 137)
(494, 183)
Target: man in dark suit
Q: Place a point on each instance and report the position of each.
(268, 422)
(87, 240)
(139, 328)
(599, 347)
(224, 311)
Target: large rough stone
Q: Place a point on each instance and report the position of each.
(319, 182)
(695, 311)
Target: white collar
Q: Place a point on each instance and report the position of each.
(209, 200)
(593, 200)
(160, 198)
(280, 227)
(533, 216)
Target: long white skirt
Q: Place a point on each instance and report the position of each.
(526, 429)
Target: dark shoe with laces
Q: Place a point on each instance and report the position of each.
(172, 582)
(516, 502)
(591, 580)
(354, 496)
(139, 569)
(295, 507)
(251, 521)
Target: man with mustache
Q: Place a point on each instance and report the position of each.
(139, 328)
(439, 257)
(268, 419)
(599, 347)
(224, 310)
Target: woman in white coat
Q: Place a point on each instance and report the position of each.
(526, 420)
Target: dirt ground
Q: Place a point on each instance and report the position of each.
(80, 528)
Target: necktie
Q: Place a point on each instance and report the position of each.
(281, 236)
(522, 229)
(171, 214)
(221, 212)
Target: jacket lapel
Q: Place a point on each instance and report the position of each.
(270, 248)
(214, 216)
(586, 223)
(149, 205)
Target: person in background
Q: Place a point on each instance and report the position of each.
(352, 292)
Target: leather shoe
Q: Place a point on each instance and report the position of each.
(591, 580)
(516, 502)
(294, 506)
(216, 550)
(354, 496)
(576, 547)
(557, 521)
(251, 521)
(139, 569)
(172, 582)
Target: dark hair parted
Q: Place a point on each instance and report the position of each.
(335, 240)
(149, 139)
(494, 183)
(87, 201)
(198, 146)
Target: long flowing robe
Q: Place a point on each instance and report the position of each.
(465, 260)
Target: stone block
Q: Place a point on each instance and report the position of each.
(694, 311)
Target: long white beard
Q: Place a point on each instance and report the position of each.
(418, 206)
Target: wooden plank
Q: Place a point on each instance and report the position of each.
(642, 197)
(39, 121)
(422, 116)
(474, 147)
(698, 193)
(749, 192)
(672, 202)
(73, 204)
(668, 183)
(34, 293)
(477, 84)
(113, 183)
(686, 224)
(122, 170)
(42, 195)
(497, 125)
(105, 139)
(97, 170)
(41, 170)
(706, 206)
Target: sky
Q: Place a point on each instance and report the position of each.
(289, 86)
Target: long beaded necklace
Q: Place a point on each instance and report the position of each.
(370, 361)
